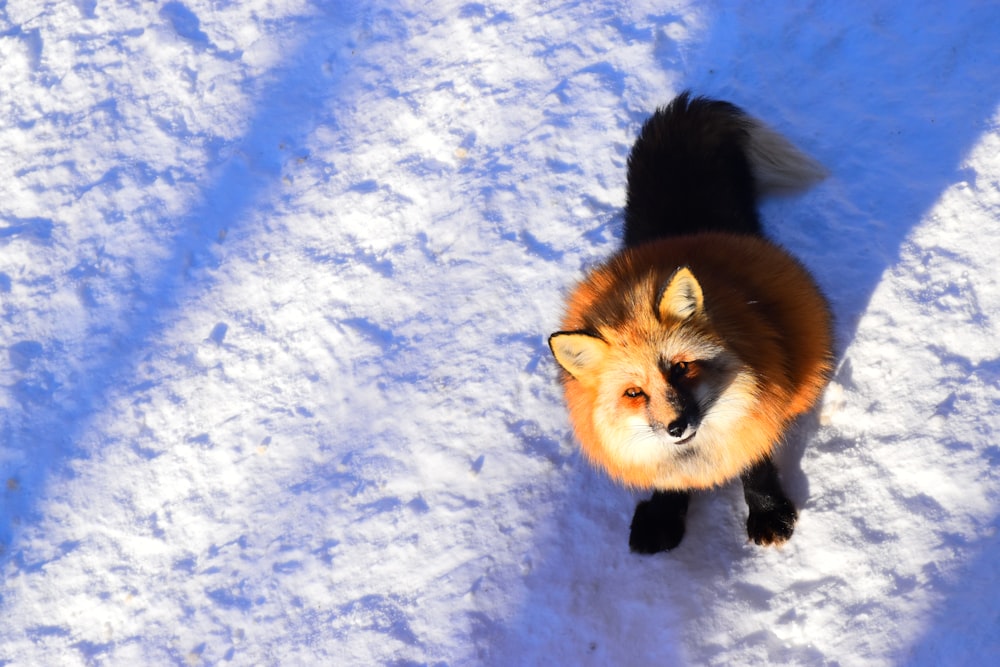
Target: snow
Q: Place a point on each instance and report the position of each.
(275, 282)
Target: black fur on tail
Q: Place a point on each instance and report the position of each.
(689, 171)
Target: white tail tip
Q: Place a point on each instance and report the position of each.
(778, 166)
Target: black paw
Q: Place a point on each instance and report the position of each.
(656, 527)
(773, 525)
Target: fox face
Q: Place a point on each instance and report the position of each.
(657, 392)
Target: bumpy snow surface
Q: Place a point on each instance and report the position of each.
(276, 278)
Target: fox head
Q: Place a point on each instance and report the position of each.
(651, 381)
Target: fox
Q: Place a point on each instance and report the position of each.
(686, 356)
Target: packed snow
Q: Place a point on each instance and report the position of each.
(276, 278)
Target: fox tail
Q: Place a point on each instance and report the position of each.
(700, 165)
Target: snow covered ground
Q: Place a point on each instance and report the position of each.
(275, 282)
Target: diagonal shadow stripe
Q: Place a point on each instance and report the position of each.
(42, 427)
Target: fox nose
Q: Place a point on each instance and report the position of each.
(677, 427)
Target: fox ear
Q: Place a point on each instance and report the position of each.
(579, 353)
(681, 298)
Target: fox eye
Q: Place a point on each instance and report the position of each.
(634, 392)
(680, 370)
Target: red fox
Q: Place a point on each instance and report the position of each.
(688, 353)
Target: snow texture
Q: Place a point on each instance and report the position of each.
(275, 282)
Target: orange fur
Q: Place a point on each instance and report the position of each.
(759, 348)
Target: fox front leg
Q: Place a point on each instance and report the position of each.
(658, 523)
(772, 514)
